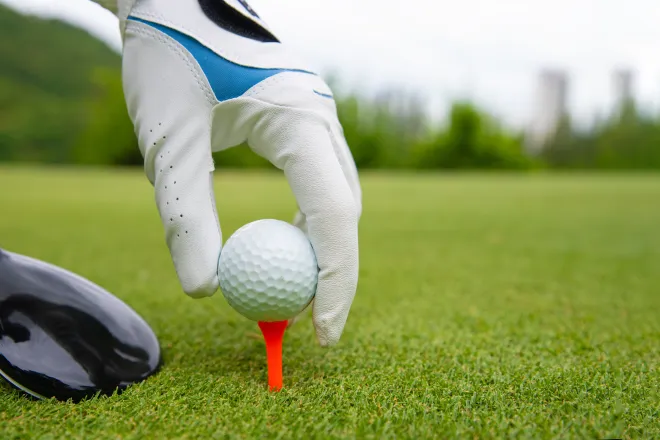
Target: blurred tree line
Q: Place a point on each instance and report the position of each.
(61, 101)
(628, 139)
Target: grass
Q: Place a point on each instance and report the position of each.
(488, 306)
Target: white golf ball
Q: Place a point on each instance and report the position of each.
(268, 271)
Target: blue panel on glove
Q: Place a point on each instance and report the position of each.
(228, 80)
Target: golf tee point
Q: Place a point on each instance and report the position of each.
(274, 335)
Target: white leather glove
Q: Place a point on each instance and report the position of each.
(206, 75)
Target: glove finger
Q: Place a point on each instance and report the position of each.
(349, 169)
(170, 109)
(345, 158)
(300, 144)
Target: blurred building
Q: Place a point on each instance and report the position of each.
(623, 83)
(550, 106)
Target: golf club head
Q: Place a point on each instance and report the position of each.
(63, 336)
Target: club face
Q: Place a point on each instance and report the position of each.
(62, 336)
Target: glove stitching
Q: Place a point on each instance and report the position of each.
(255, 90)
(183, 55)
(320, 117)
(227, 54)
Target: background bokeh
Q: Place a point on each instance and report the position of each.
(61, 102)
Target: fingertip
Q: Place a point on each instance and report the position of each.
(327, 335)
(326, 343)
(200, 294)
(203, 290)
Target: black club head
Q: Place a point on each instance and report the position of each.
(63, 336)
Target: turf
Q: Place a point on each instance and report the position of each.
(488, 306)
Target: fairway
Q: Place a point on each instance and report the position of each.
(488, 306)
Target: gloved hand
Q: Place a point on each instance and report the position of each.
(206, 75)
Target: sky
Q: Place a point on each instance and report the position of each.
(490, 51)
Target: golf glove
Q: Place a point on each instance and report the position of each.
(206, 75)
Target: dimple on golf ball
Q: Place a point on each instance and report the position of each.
(268, 271)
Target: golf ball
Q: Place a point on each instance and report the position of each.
(268, 271)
